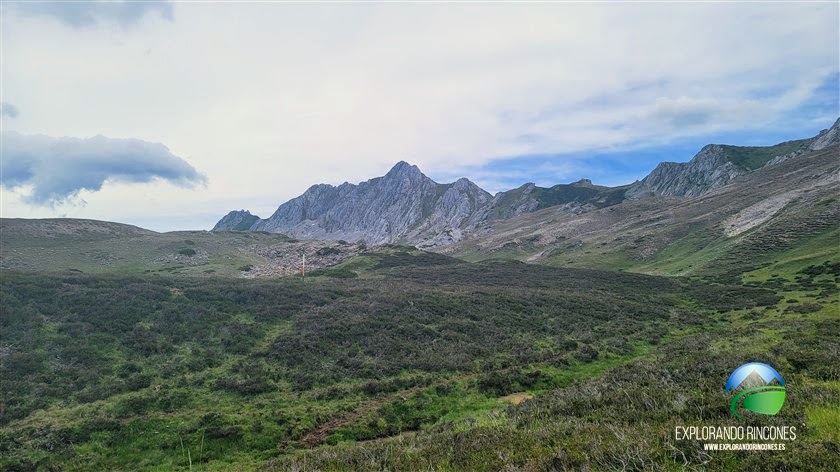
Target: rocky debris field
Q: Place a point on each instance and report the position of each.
(283, 259)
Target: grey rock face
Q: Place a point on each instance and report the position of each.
(402, 206)
(827, 137)
(713, 167)
(240, 220)
(513, 202)
(707, 170)
(405, 206)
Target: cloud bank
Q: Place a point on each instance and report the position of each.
(9, 110)
(85, 14)
(57, 169)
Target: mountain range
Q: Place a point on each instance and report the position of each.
(782, 212)
(407, 207)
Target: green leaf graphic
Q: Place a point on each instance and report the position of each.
(766, 400)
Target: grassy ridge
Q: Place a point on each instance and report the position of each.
(754, 157)
(764, 218)
(197, 254)
(71, 246)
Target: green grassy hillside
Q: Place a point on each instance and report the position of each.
(100, 247)
(410, 365)
(783, 215)
(754, 157)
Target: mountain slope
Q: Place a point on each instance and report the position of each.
(779, 208)
(412, 369)
(67, 228)
(580, 196)
(716, 165)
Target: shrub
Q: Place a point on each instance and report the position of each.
(335, 273)
(804, 308)
(328, 251)
(586, 353)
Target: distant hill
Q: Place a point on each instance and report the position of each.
(406, 207)
(66, 245)
(67, 228)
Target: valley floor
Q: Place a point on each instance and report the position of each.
(415, 366)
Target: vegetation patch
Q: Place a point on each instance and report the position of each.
(753, 157)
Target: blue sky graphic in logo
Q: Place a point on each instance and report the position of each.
(762, 389)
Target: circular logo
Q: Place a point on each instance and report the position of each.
(759, 388)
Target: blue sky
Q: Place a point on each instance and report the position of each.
(168, 115)
(619, 167)
(626, 164)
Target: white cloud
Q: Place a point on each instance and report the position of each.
(270, 98)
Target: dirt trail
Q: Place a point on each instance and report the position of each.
(317, 435)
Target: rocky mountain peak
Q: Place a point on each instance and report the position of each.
(403, 169)
(404, 205)
(526, 187)
(705, 171)
(465, 184)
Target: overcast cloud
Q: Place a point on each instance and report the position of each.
(80, 14)
(57, 169)
(269, 98)
(8, 110)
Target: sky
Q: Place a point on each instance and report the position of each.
(168, 115)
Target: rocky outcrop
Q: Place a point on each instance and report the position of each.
(716, 165)
(580, 195)
(511, 203)
(239, 220)
(827, 137)
(402, 206)
(707, 170)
